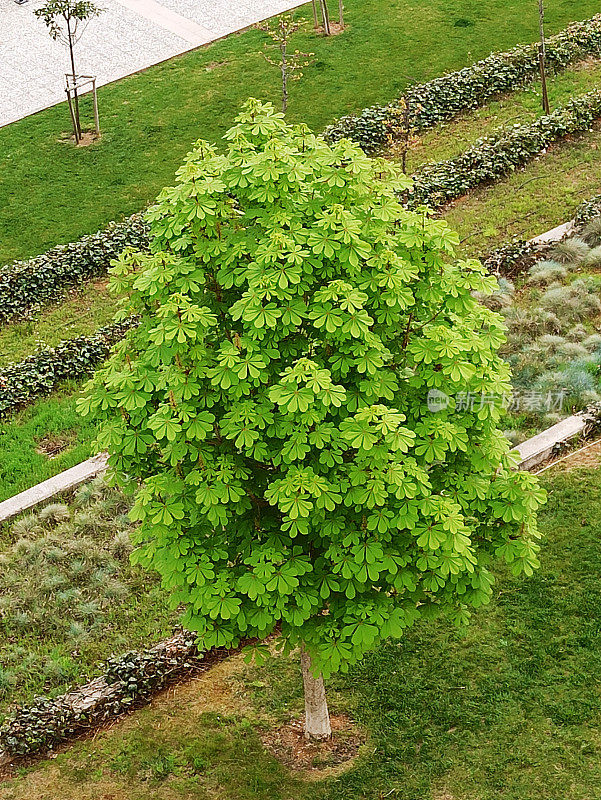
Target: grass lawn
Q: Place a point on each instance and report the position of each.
(508, 708)
(531, 200)
(485, 223)
(82, 311)
(42, 440)
(51, 192)
(450, 139)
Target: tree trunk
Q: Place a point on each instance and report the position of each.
(315, 17)
(326, 17)
(317, 718)
(77, 125)
(542, 57)
(341, 13)
(284, 68)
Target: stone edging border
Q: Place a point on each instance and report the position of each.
(130, 681)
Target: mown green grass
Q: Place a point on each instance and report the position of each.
(53, 421)
(522, 106)
(81, 312)
(52, 192)
(508, 708)
(532, 200)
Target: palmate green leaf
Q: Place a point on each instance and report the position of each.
(270, 410)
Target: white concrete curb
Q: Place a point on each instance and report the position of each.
(555, 234)
(62, 482)
(532, 453)
(535, 451)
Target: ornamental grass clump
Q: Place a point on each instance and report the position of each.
(275, 412)
(592, 259)
(591, 233)
(570, 252)
(574, 303)
(546, 272)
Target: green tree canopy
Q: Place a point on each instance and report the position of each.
(271, 410)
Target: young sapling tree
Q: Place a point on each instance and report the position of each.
(290, 63)
(271, 411)
(64, 19)
(542, 56)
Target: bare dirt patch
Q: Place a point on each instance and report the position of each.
(288, 744)
(335, 28)
(589, 458)
(52, 446)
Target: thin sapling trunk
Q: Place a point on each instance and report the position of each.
(315, 15)
(75, 97)
(284, 78)
(326, 17)
(317, 717)
(542, 57)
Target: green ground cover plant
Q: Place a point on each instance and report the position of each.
(509, 706)
(150, 119)
(45, 370)
(81, 312)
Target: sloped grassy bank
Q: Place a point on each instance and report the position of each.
(508, 707)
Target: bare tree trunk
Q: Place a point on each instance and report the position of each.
(542, 56)
(284, 68)
(317, 718)
(341, 13)
(77, 125)
(315, 17)
(326, 16)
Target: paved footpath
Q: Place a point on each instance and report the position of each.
(129, 35)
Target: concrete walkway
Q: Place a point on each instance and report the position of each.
(130, 35)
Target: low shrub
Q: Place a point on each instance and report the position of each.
(40, 373)
(133, 678)
(25, 285)
(513, 258)
(587, 211)
(591, 232)
(570, 252)
(444, 97)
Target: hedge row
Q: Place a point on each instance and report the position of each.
(72, 359)
(495, 156)
(444, 97)
(127, 681)
(25, 285)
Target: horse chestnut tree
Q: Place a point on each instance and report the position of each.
(271, 410)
